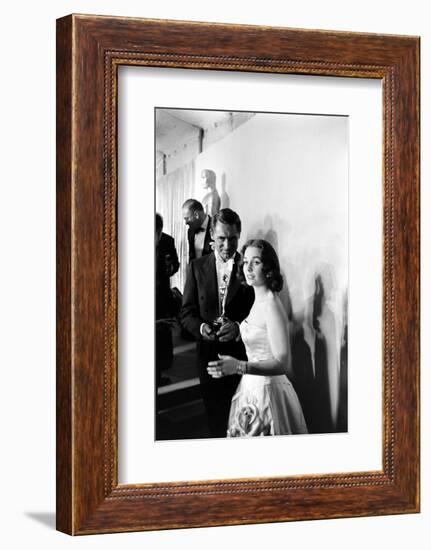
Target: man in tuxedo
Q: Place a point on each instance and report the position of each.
(212, 287)
(167, 264)
(199, 225)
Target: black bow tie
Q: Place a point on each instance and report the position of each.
(199, 229)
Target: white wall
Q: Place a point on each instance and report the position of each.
(287, 177)
(27, 308)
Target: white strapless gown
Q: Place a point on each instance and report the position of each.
(263, 405)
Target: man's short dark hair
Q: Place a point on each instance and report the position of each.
(227, 216)
(159, 223)
(193, 205)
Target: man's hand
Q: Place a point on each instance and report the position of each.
(229, 331)
(207, 333)
(225, 366)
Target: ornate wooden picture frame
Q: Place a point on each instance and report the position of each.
(89, 51)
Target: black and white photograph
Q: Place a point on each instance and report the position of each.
(251, 273)
(132, 130)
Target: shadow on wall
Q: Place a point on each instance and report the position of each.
(270, 235)
(319, 360)
(319, 335)
(224, 197)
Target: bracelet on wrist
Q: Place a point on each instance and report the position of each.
(241, 367)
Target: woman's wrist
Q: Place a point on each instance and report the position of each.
(242, 367)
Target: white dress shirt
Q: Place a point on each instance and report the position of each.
(224, 272)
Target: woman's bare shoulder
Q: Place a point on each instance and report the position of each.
(274, 307)
(273, 303)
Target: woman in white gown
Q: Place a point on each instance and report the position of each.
(265, 402)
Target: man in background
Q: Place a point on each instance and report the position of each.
(198, 234)
(166, 265)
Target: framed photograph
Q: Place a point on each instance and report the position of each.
(237, 274)
(295, 168)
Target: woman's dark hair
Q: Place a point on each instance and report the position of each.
(271, 265)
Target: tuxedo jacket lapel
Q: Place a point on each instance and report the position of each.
(207, 241)
(208, 282)
(234, 282)
(191, 239)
